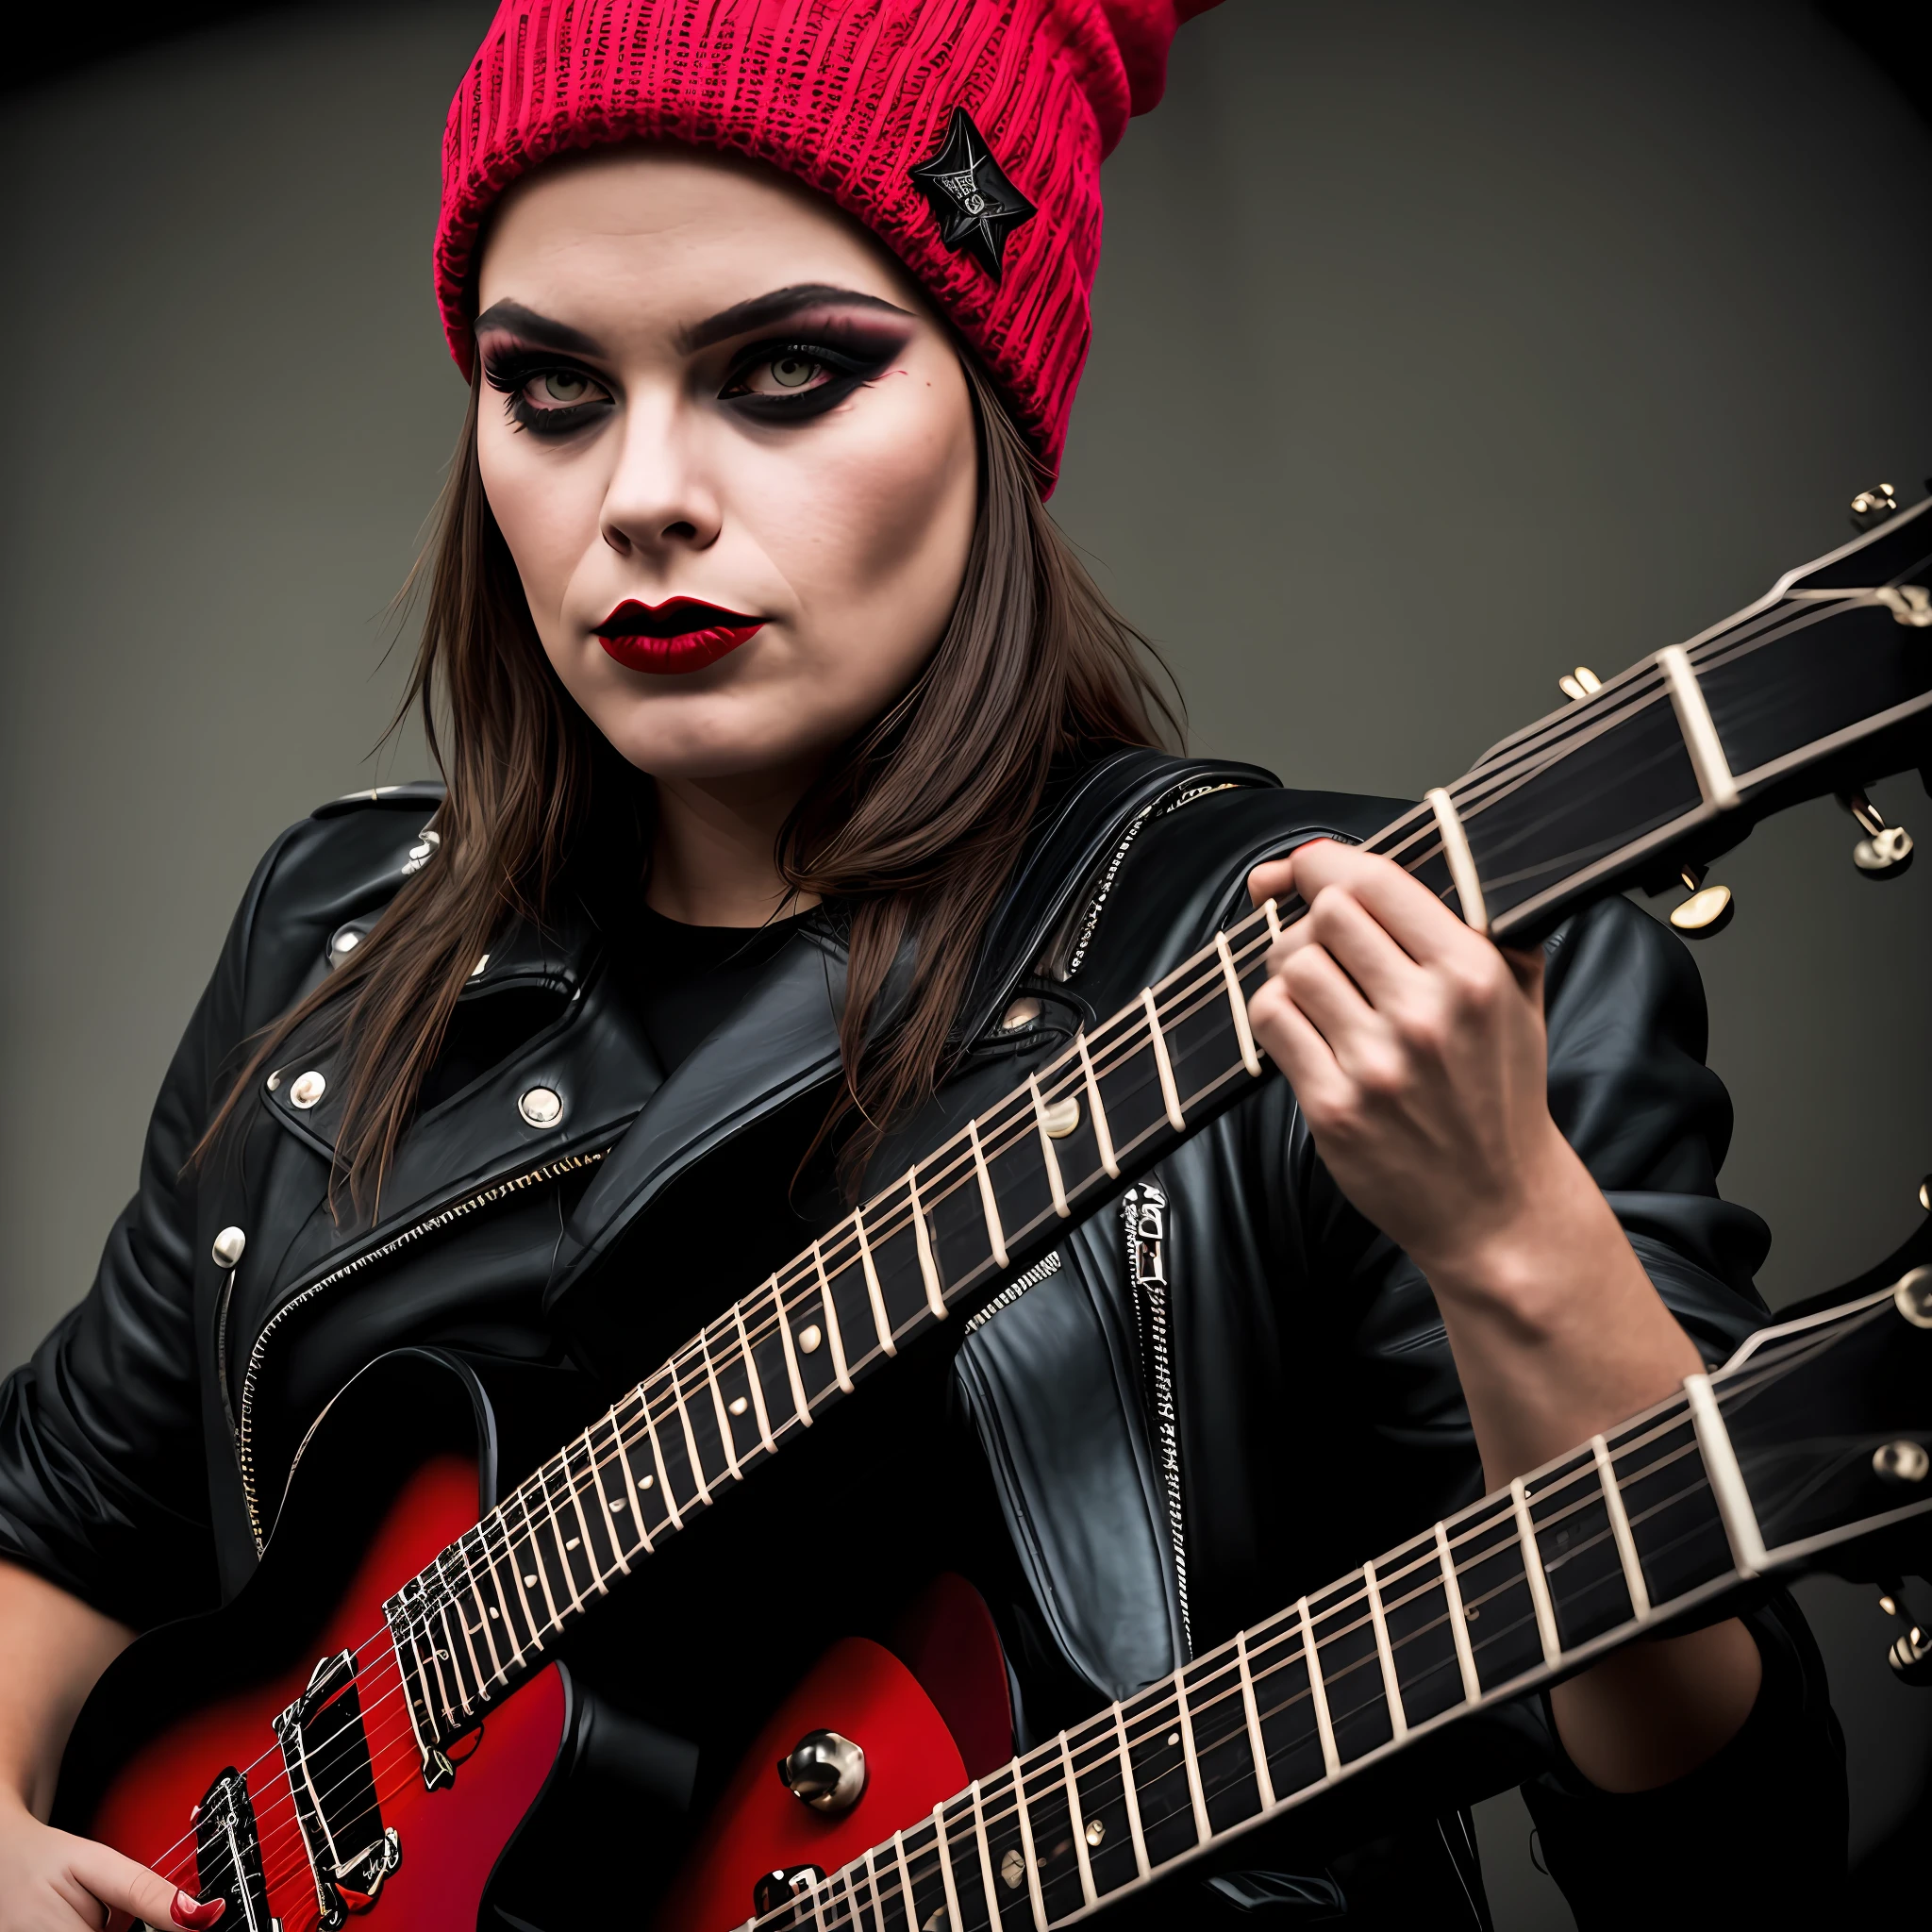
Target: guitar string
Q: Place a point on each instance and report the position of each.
(676, 1365)
(1491, 1516)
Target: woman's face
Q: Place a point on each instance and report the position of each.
(706, 389)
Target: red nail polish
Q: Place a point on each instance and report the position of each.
(198, 1913)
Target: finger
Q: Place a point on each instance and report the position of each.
(1295, 1046)
(1331, 1002)
(1359, 943)
(1271, 879)
(122, 1884)
(1419, 922)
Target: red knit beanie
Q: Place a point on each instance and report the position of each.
(967, 134)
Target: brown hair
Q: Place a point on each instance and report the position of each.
(912, 830)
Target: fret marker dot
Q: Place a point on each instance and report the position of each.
(1173, 1737)
(739, 1407)
(573, 1542)
(618, 1507)
(529, 1583)
(809, 1337)
(645, 1482)
(493, 1613)
(1095, 1831)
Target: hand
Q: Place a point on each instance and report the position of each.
(52, 1882)
(1416, 1050)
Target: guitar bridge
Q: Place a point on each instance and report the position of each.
(228, 1855)
(326, 1752)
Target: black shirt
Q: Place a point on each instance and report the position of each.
(691, 978)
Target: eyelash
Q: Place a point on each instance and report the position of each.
(511, 372)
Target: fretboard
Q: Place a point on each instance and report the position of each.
(1550, 818)
(1629, 1530)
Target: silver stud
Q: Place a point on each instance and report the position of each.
(477, 971)
(274, 1080)
(542, 1107)
(1904, 1461)
(306, 1089)
(344, 942)
(1912, 1293)
(228, 1246)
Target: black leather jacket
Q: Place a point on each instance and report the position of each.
(1129, 1475)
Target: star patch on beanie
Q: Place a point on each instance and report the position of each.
(976, 206)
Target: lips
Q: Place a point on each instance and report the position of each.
(679, 635)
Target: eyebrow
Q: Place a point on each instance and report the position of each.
(759, 311)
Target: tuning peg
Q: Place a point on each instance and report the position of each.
(1885, 851)
(1910, 1651)
(1706, 911)
(1872, 506)
(1578, 684)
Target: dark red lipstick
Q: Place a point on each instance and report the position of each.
(681, 634)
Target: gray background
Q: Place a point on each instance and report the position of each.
(1438, 350)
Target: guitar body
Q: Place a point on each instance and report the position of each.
(387, 1479)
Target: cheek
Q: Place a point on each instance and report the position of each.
(548, 512)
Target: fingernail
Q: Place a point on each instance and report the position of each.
(198, 1913)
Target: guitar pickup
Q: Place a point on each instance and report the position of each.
(228, 1855)
(325, 1751)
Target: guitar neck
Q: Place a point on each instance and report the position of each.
(1680, 749)
(1628, 1531)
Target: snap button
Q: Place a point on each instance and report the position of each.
(307, 1088)
(228, 1246)
(542, 1107)
(343, 943)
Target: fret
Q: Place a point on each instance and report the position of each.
(554, 1550)
(1589, 1587)
(492, 1617)
(954, 1921)
(752, 1376)
(1533, 1575)
(1263, 1782)
(1318, 1692)
(1460, 859)
(602, 1558)
(527, 1571)
(1727, 1480)
(468, 1690)
(872, 1884)
(630, 1480)
(1162, 1065)
(1103, 1134)
(493, 1549)
(921, 1237)
(1077, 1823)
(724, 1439)
(1191, 1760)
(569, 1546)
(1714, 779)
(992, 1897)
(1130, 1794)
(872, 1290)
(1238, 1005)
(458, 1589)
(1048, 1157)
(1458, 1618)
(1620, 1528)
(664, 1487)
(910, 1904)
(439, 1656)
(989, 1207)
(834, 1336)
(1028, 1856)
(415, 1679)
(1271, 913)
(611, 1511)
(691, 1440)
(800, 1407)
(611, 1469)
(1398, 1721)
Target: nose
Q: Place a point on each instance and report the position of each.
(659, 502)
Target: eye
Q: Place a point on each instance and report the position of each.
(548, 398)
(785, 373)
(563, 386)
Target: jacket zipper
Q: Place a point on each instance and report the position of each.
(1143, 1222)
(1047, 1264)
(484, 1198)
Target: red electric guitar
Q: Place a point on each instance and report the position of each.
(390, 1774)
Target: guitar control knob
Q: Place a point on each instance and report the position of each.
(780, 1888)
(825, 1771)
(1870, 508)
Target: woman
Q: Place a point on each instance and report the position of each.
(800, 786)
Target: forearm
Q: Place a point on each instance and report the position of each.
(1557, 1334)
(57, 1648)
